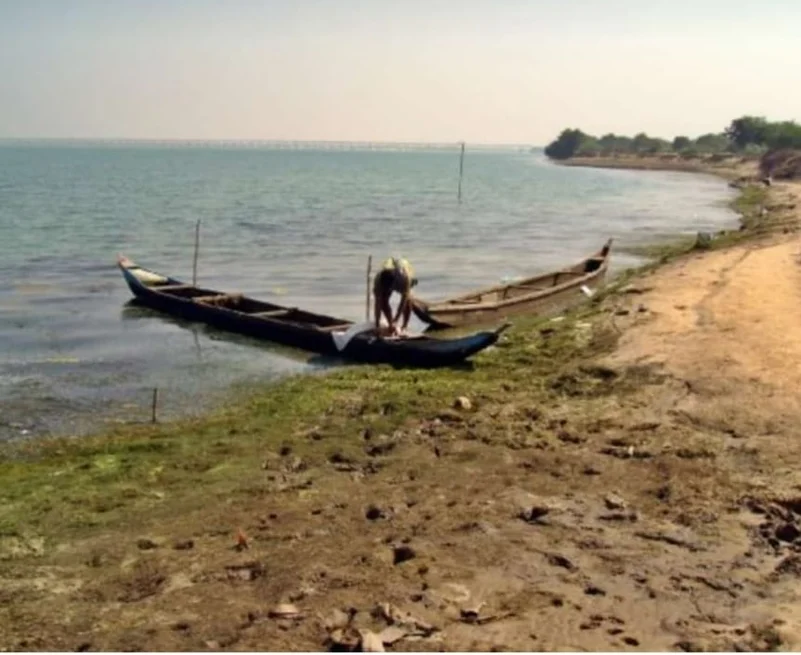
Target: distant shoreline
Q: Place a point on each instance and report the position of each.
(729, 168)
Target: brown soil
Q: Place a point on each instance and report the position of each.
(730, 167)
(659, 511)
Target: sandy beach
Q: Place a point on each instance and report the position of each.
(623, 479)
(730, 167)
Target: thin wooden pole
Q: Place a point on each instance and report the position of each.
(367, 290)
(155, 404)
(197, 246)
(461, 169)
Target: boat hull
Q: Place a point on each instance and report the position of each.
(542, 295)
(306, 331)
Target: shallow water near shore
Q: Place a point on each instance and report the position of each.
(295, 227)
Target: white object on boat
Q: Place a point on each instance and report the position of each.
(146, 277)
(587, 291)
(342, 339)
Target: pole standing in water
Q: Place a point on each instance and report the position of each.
(461, 169)
(194, 260)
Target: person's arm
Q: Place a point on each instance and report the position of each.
(407, 313)
(404, 300)
(377, 310)
(404, 309)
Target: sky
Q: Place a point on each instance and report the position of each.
(481, 71)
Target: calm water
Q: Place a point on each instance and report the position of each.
(295, 226)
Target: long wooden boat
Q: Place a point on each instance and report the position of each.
(541, 294)
(294, 327)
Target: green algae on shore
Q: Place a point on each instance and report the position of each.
(65, 486)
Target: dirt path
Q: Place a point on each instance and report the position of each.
(658, 509)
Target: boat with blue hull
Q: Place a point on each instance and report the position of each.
(318, 333)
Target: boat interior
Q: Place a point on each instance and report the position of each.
(530, 285)
(256, 308)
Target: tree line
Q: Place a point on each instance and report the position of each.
(748, 135)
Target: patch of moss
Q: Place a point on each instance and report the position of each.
(749, 204)
(60, 486)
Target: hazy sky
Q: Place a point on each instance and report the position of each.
(490, 71)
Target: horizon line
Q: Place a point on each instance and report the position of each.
(257, 142)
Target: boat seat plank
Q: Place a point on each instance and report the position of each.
(172, 287)
(332, 328)
(271, 313)
(217, 297)
(464, 301)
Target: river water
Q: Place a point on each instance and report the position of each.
(295, 226)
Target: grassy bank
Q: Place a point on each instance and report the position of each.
(64, 487)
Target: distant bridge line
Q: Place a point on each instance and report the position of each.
(267, 144)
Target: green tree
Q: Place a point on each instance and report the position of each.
(745, 135)
(614, 143)
(566, 145)
(641, 142)
(712, 143)
(786, 134)
(657, 145)
(680, 143)
(644, 144)
(607, 143)
(589, 147)
(746, 130)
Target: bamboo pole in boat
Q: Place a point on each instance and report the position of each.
(197, 246)
(367, 290)
(461, 169)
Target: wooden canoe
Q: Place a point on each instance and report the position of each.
(294, 327)
(541, 294)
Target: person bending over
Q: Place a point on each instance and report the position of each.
(396, 275)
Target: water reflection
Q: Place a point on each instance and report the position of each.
(133, 311)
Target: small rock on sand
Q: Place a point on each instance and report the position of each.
(284, 611)
(532, 507)
(346, 640)
(568, 437)
(391, 634)
(633, 289)
(555, 559)
(613, 501)
(146, 544)
(185, 544)
(338, 620)
(464, 403)
(373, 513)
(371, 642)
(402, 554)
